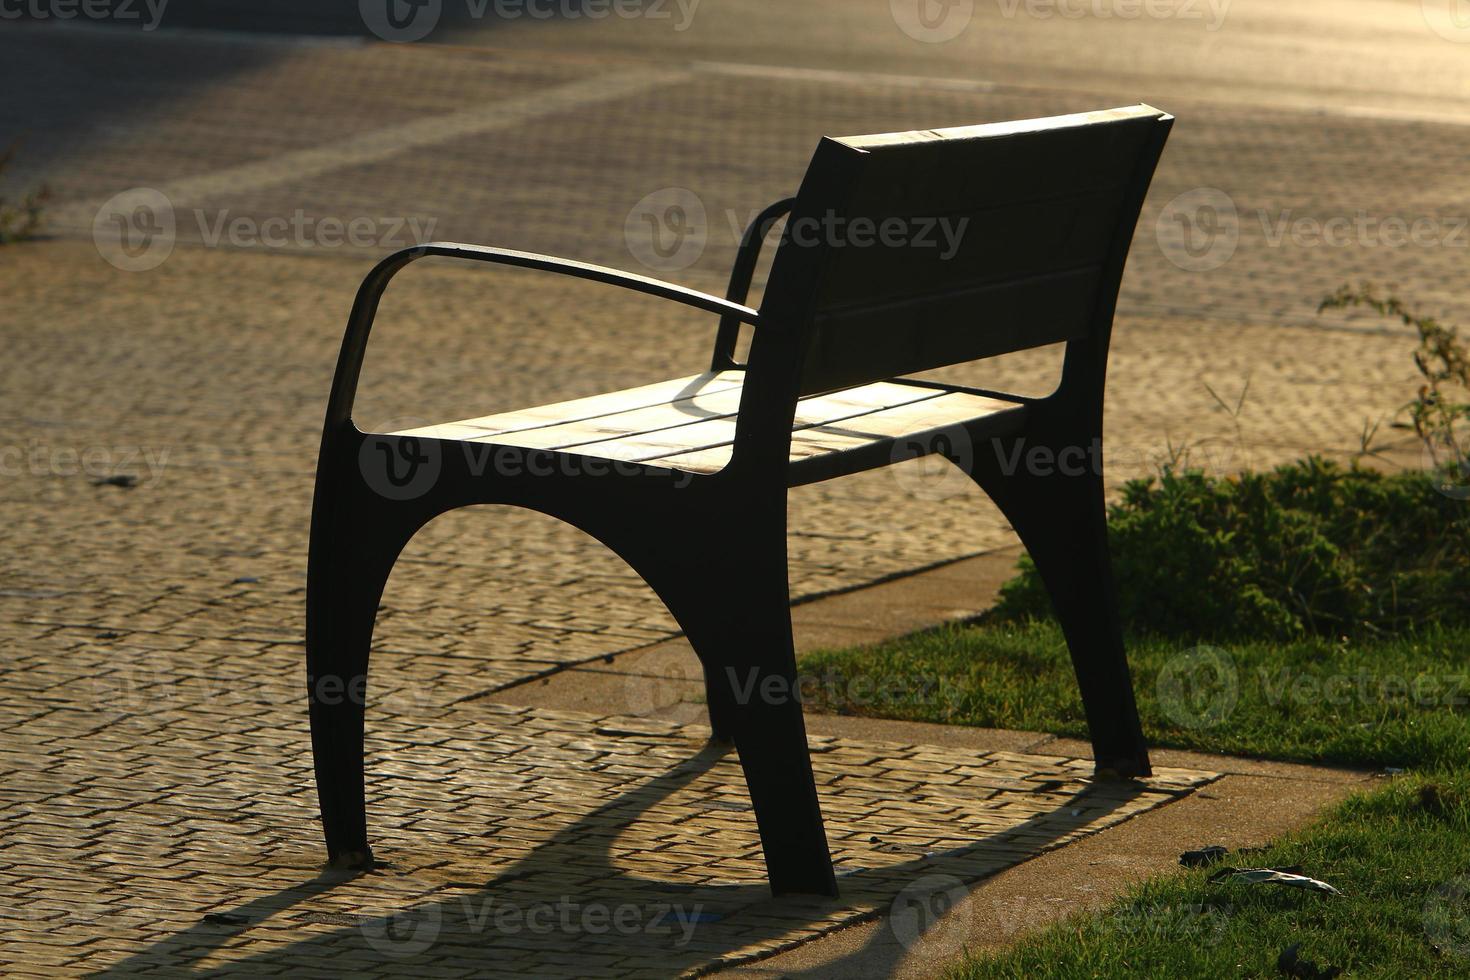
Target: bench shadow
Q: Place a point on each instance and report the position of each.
(674, 926)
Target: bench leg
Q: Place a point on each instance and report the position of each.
(351, 557)
(720, 702)
(737, 615)
(1060, 517)
(770, 737)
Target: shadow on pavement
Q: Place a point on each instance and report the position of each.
(390, 20)
(650, 926)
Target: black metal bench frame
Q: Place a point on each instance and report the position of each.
(732, 601)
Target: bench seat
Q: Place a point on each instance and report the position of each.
(688, 424)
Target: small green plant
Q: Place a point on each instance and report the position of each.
(1313, 548)
(1441, 407)
(22, 220)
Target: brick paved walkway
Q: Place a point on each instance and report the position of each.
(176, 834)
(179, 379)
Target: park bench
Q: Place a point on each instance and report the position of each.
(687, 480)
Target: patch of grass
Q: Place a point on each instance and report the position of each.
(1310, 548)
(1397, 701)
(1400, 856)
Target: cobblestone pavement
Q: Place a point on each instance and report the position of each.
(181, 383)
(155, 758)
(173, 833)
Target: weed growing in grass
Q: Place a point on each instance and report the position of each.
(22, 220)
(1441, 407)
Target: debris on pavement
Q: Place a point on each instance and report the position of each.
(225, 918)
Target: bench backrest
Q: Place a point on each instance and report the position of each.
(907, 252)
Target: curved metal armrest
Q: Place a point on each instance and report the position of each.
(365, 307)
(740, 276)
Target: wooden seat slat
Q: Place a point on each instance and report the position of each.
(700, 429)
(661, 393)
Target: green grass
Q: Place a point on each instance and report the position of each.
(1402, 702)
(1312, 548)
(1400, 857)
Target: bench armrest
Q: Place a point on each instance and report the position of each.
(365, 307)
(740, 276)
